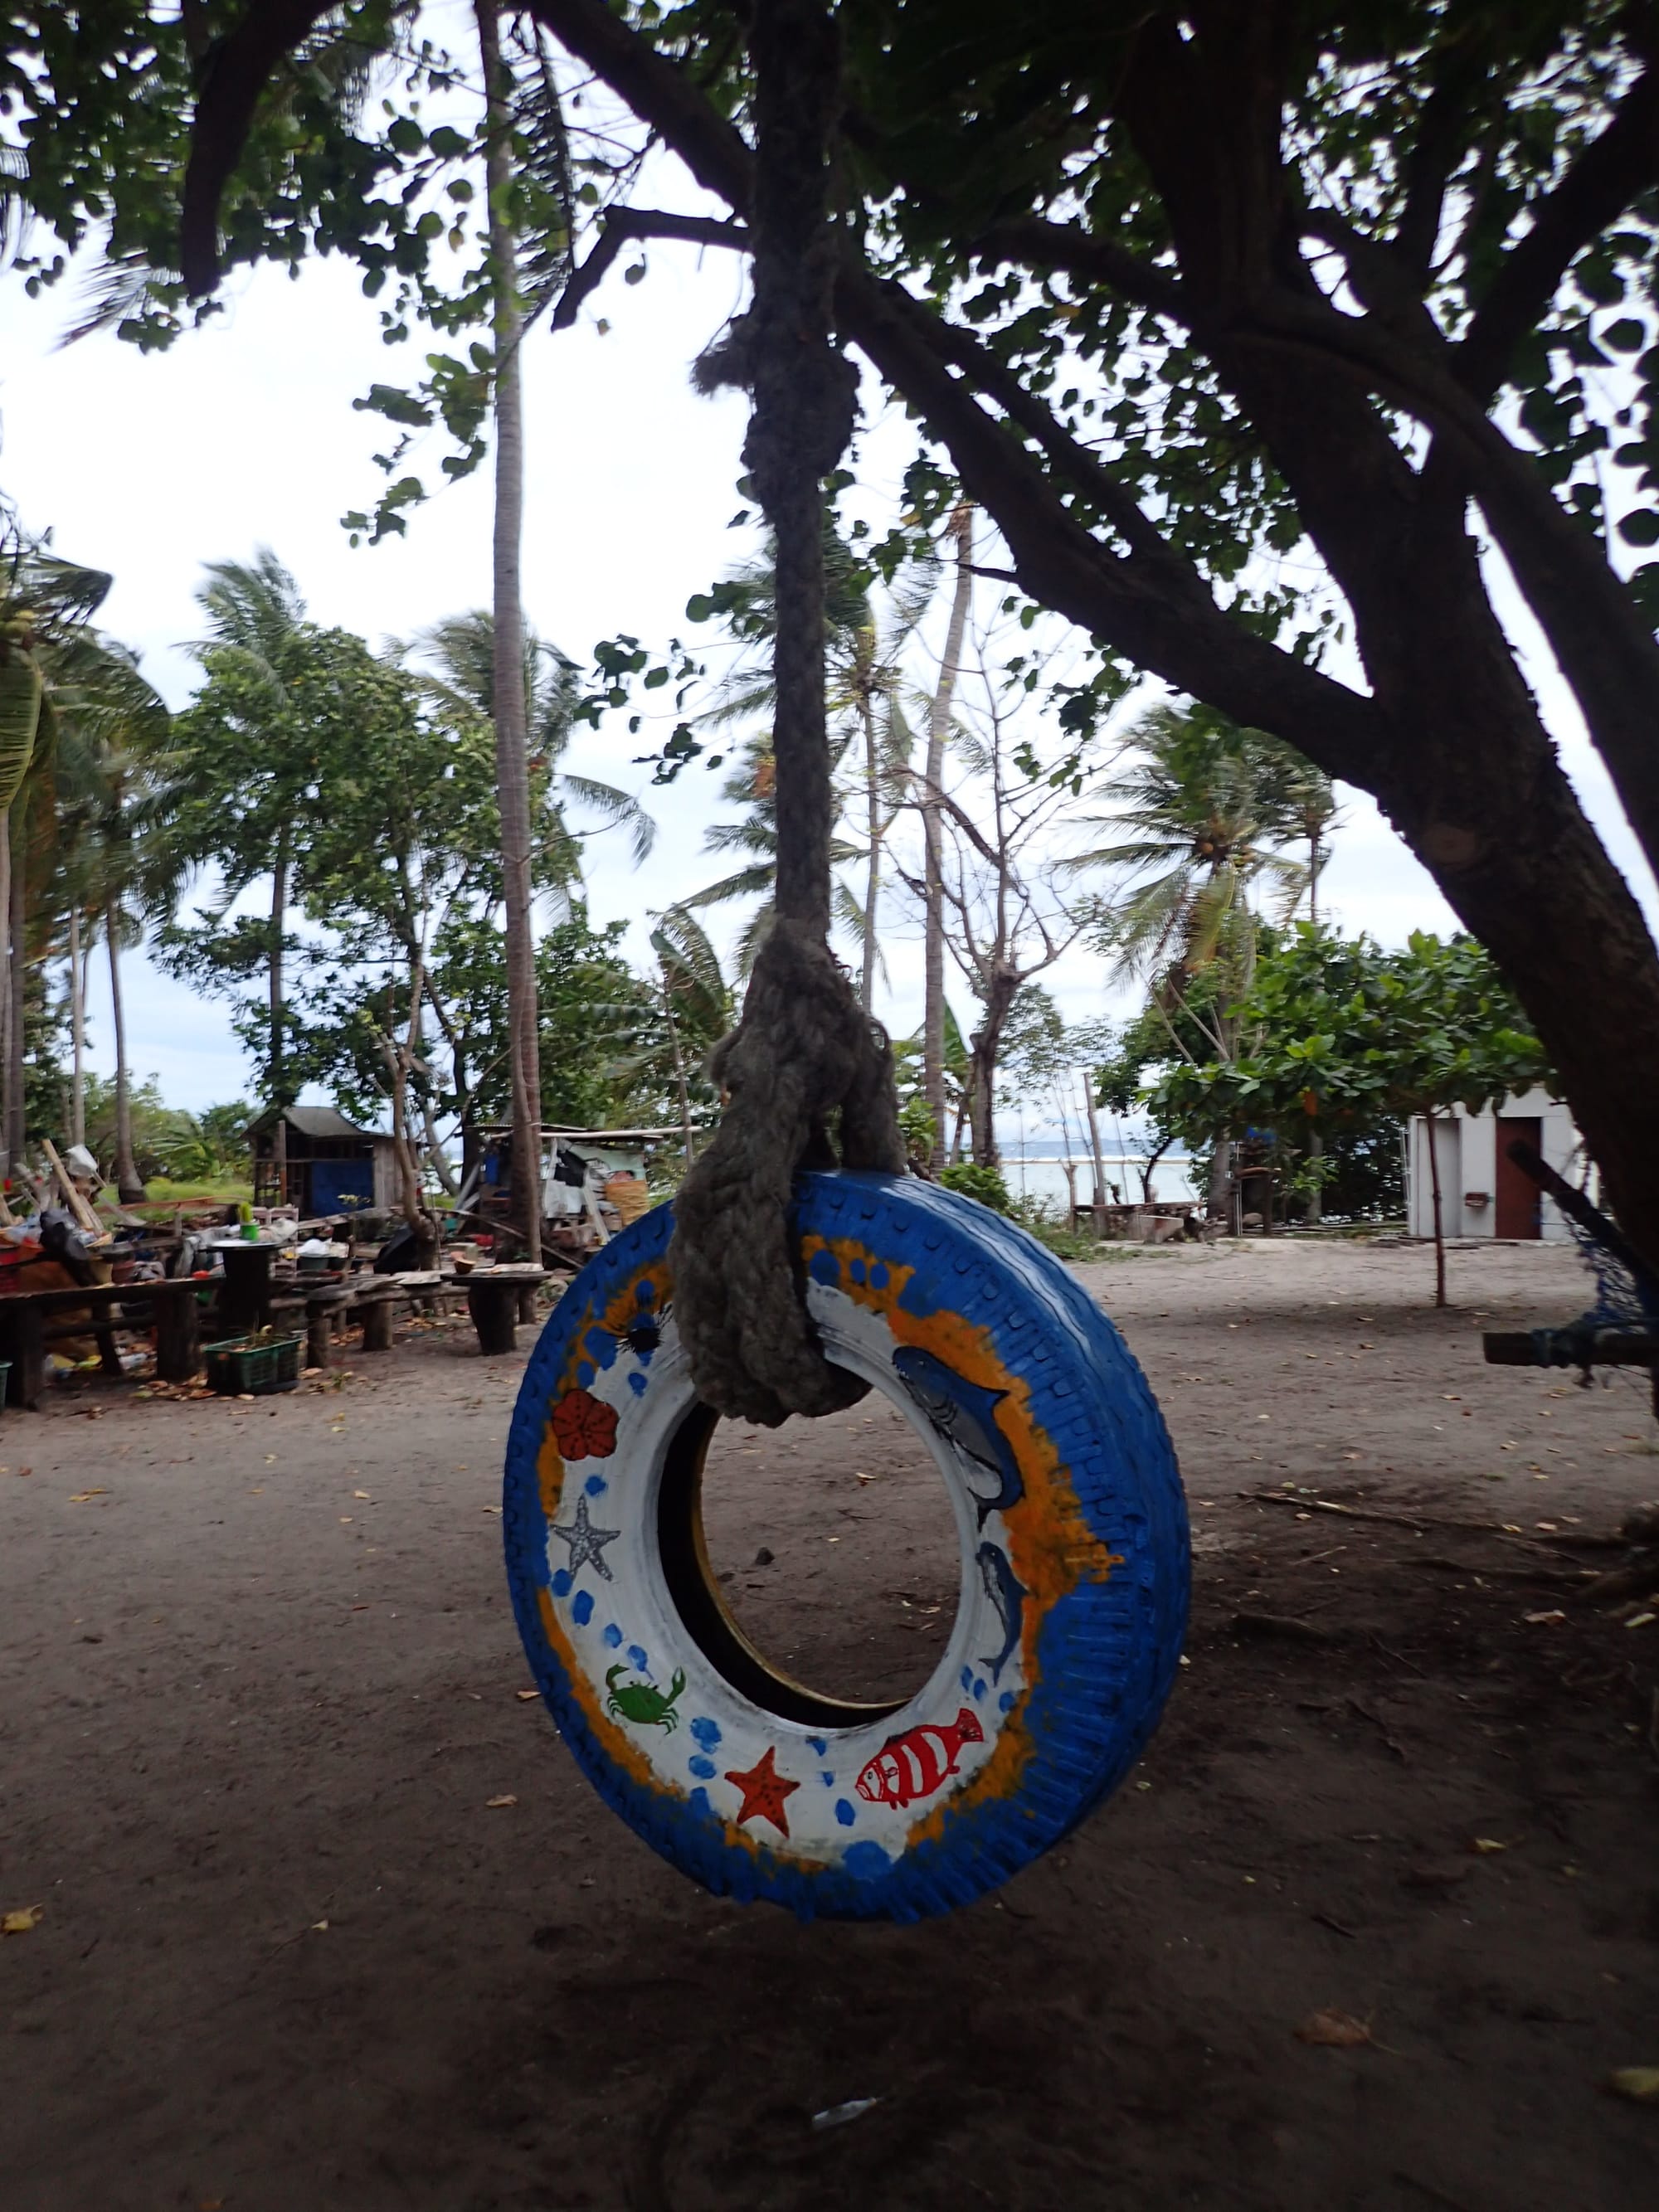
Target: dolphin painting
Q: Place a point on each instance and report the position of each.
(965, 1414)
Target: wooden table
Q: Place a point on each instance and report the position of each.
(495, 1297)
(245, 1301)
(30, 1321)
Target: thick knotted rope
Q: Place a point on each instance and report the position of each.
(804, 1055)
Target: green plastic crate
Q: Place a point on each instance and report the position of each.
(238, 1368)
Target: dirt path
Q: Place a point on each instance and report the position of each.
(258, 1682)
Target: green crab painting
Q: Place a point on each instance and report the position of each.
(643, 1703)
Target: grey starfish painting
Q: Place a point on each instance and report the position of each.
(586, 1543)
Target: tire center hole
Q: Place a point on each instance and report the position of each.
(833, 1547)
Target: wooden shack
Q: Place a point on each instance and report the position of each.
(332, 1166)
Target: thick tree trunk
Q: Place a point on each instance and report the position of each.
(128, 1186)
(939, 730)
(512, 739)
(77, 997)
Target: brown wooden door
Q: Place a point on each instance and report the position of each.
(1516, 1201)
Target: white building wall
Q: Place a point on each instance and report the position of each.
(1467, 1152)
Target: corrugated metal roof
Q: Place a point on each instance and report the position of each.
(317, 1121)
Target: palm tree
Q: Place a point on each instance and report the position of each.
(863, 698)
(1205, 802)
(696, 1002)
(455, 663)
(246, 800)
(119, 863)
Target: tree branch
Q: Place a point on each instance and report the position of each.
(1613, 169)
(1030, 242)
(625, 223)
(234, 73)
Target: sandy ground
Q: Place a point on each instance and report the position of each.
(258, 1682)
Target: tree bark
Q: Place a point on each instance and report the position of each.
(939, 728)
(1448, 741)
(278, 1089)
(128, 1186)
(17, 1000)
(1095, 1151)
(1002, 985)
(77, 985)
(509, 701)
(1439, 1229)
(875, 826)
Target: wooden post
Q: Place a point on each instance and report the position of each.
(527, 1302)
(493, 1306)
(23, 1342)
(245, 1303)
(178, 1332)
(375, 1307)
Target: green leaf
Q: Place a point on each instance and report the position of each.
(21, 691)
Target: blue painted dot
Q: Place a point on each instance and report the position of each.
(613, 1636)
(704, 1767)
(600, 1347)
(645, 1293)
(967, 1678)
(585, 1373)
(706, 1733)
(1006, 1702)
(594, 1485)
(824, 1268)
(562, 1582)
(636, 1658)
(582, 1611)
(844, 1812)
(700, 1799)
(827, 1778)
(855, 1269)
(816, 1743)
(866, 1862)
(878, 1277)
(979, 1687)
(636, 1382)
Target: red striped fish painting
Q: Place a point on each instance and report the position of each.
(915, 1764)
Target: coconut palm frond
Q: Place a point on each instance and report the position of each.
(618, 809)
(743, 884)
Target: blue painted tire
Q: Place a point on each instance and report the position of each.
(1074, 1575)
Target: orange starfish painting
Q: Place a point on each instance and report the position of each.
(763, 1792)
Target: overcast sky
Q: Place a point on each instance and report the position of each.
(244, 434)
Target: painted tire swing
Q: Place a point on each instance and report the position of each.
(1072, 1532)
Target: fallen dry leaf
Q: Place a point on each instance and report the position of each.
(1640, 2083)
(524, 1697)
(319, 1927)
(1334, 2030)
(496, 1804)
(1540, 1620)
(1642, 1620)
(19, 1923)
(1484, 1843)
(79, 1497)
(363, 1494)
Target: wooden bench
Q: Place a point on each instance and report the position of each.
(497, 1298)
(173, 1312)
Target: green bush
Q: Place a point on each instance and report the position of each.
(985, 1184)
